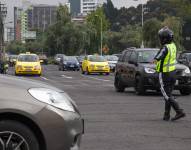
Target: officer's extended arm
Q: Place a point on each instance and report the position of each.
(161, 54)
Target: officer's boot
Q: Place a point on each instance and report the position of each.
(166, 116)
(179, 112)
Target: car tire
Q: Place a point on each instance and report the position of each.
(185, 91)
(107, 73)
(119, 87)
(139, 86)
(17, 132)
(83, 72)
(87, 71)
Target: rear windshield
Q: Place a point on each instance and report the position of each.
(28, 58)
(146, 56)
(97, 59)
(70, 58)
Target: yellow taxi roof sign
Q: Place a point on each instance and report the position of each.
(28, 53)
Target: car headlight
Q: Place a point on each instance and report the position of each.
(149, 70)
(54, 98)
(187, 70)
(37, 67)
(19, 67)
(92, 66)
(106, 66)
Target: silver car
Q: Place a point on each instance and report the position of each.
(36, 116)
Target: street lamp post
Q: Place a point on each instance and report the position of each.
(101, 35)
(142, 21)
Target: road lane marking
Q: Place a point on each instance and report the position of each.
(96, 78)
(67, 77)
(44, 78)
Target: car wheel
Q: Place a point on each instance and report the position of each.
(82, 71)
(139, 86)
(185, 91)
(14, 135)
(87, 71)
(118, 85)
(107, 73)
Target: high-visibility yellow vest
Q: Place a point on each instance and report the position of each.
(169, 61)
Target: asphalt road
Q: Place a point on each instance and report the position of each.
(121, 121)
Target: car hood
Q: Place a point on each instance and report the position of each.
(28, 63)
(11, 82)
(98, 63)
(153, 66)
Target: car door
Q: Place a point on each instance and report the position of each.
(124, 68)
(132, 67)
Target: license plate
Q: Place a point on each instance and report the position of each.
(72, 66)
(176, 82)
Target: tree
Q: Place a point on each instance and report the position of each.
(94, 21)
(175, 24)
(150, 32)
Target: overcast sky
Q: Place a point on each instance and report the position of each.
(12, 3)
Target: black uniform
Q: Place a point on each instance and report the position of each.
(167, 81)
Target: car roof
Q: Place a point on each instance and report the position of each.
(140, 49)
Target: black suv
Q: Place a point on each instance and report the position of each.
(134, 69)
(185, 58)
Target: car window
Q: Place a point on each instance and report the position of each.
(146, 56)
(28, 58)
(127, 56)
(97, 59)
(133, 57)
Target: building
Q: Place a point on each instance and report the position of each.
(87, 6)
(40, 17)
(24, 26)
(75, 7)
(17, 23)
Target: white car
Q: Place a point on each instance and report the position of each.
(112, 60)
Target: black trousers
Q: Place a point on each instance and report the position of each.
(167, 82)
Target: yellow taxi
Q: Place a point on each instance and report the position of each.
(28, 64)
(95, 64)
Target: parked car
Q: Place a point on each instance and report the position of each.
(134, 69)
(43, 59)
(185, 58)
(112, 60)
(28, 64)
(12, 60)
(80, 60)
(36, 116)
(69, 63)
(95, 64)
(57, 58)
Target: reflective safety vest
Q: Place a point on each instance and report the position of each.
(169, 61)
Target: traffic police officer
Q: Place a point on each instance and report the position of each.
(166, 60)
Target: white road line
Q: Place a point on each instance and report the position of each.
(67, 77)
(44, 78)
(96, 78)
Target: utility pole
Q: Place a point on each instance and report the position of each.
(3, 13)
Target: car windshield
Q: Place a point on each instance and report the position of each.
(111, 58)
(97, 59)
(70, 58)
(80, 58)
(28, 58)
(146, 56)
